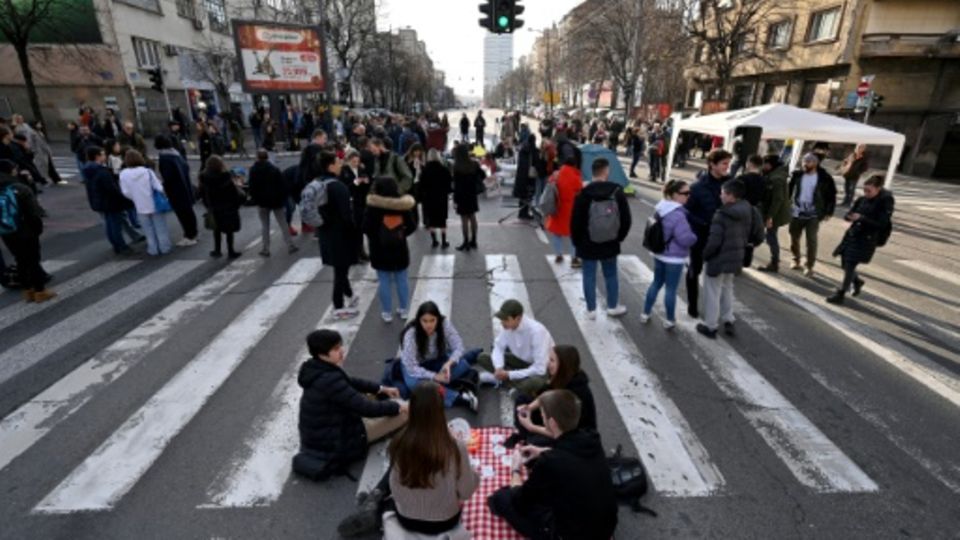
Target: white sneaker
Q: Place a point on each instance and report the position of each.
(487, 378)
(345, 313)
(186, 242)
(471, 400)
(592, 315)
(402, 314)
(644, 318)
(353, 301)
(669, 325)
(617, 311)
(386, 316)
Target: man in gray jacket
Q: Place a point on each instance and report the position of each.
(734, 226)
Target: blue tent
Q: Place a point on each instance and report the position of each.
(591, 152)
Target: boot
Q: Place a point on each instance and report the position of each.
(465, 246)
(773, 268)
(473, 242)
(43, 296)
(28, 295)
(443, 241)
(433, 241)
(857, 286)
(837, 298)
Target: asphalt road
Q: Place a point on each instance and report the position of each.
(152, 399)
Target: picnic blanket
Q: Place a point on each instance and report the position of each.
(492, 462)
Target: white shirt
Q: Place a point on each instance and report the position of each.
(530, 342)
(138, 184)
(808, 186)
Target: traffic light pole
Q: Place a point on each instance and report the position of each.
(166, 100)
(866, 116)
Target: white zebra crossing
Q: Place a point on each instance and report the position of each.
(506, 282)
(115, 467)
(55, 265)
(35, 418)
(677, 462)
(30, 351)
(257, 476)
(814, 459)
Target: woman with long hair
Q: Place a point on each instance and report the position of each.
(222, 198)
(433, 192)
(414, 159)
(138, 183)
(430, 472)
(467, 181)
(431, 350)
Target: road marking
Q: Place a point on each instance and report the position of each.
(20, 311)
(56, 265)
(676, 461)
(906, 359)
(257, 474)
(115, 467)
(542, 235)
(809, 454)
(949, 277)
(506, 282)
(32, 350)
(35, 418)
(434, 283)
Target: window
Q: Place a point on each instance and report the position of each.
(823, 25)
(147, 52)
(186, 9)
(149, 5)
(778, 35)
(217, 15)
(742, 44)
(742, 96)
(698, 54)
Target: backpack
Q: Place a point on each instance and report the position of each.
(391, 232)
(654, 238)
(603, 224)
(9, 211)
(313, 197)
(629, 478)
(548, 202)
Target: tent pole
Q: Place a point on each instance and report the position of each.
(674, 136)
(795, 153)
(892, 167)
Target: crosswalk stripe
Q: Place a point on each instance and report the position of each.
(809, 454)
(35, 418)
(44, 343)
(257, 476)
(902, 357)
(919, 266)
(506, 282)
(435, 283)
(112, 470)
(20, 311)
(55, 265)
(677, 462)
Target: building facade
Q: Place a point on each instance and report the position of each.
(816, 53)
(497, 59)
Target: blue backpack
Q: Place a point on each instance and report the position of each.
(9, 211)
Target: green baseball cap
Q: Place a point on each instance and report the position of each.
(509, 309)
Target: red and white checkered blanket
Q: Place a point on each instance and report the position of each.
(477, 518)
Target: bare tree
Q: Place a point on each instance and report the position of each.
(215, 62)
(349, 27)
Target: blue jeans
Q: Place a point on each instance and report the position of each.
(459, 370)
(158, 237)
(557, 242)
(134, 221)
(664, 274)
(609, 267)
(113, 223)
(384, 290)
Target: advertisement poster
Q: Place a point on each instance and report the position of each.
(279, 57)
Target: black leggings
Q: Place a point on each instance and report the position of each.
(341, 285)
(693, 276)
(850, 275)
(468, 224)
(216, 241)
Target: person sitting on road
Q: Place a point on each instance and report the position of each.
(338, 420)
(568, 492)
(431, 350)
(520, 353)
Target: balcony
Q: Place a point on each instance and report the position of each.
(915, 45)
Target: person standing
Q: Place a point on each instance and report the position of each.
(175, 173)
(569, 184)
(480, 124)
(129, 138)
(656, 147)
(736, 225)
(436, 184)
(870, 226)
(852, 169)
(269, 192)
(636, 147)
(388, 163)
(465, 129)
(668, 265)
(467, 182)
(390, 218)
(337, 235)
(814, 197)
(528, 172)
(354, 175)
(105, 198)
(704, 200)
(753, 180)
(42, 154)
(600, 222)
(138, 183)
(24, 242)
(177, 138)
(222, 198)
(775, 207)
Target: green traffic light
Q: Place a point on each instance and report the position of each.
(503, 21)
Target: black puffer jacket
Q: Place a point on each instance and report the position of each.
(331, 410)
(222, 198)
(267, 186)
(383, 257)
(580, 385)
(860, 241)
(580, 221)
(734, 226)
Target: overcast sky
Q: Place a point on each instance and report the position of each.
(454, 38)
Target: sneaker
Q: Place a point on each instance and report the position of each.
(471, 400)
(291, 249)
(183, 243)
(264, 253)
(795, 265)
(576, 263)
(592, 315)
(402, 314)
(772, 268)
(293, 231)
(644, 318)
(353, 301)
(386, 316)
(487, 378)
(669, 325)
(808, 272)
(558, 259)
(836, 298)
(234, 255)
(729, 329)
(344, 314)
(857, 286)
(62, 182)
(44, 295)
(617, 311)
(28, 295)
(706, 331)
(216, 254)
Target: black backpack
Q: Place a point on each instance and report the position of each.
(653, 236)
(629, 480)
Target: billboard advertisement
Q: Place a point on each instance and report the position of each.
(278, 57)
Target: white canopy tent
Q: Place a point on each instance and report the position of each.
(782, 122)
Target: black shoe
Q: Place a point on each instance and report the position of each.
(464, 247)
(857, 286)
(435, 244)
(773, 268)
(703, 329)
(444, 244)
(234, 255)
(473, 244)
(693, 312)
(837, 298)
(633, 174)
(366, 520)
(728, 329)
(216, 254)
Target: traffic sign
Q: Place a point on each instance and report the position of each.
(863, 88)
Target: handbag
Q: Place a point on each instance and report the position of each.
(160, 202)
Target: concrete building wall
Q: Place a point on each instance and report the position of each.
(497, 59)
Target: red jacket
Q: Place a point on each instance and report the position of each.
(569, 184)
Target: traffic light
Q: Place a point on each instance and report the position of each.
(156, 79)
(500, 16)
(512, 13)
(876, 102)
(489, 9)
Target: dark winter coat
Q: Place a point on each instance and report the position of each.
(776, 201)
(175, 174)
(579, 221)
(291, 182)
(267, 186)
(84, 142)
(573, 481)
(734, 226)
(464, 125)
(580, 386)
(28, 209)
(703, 202)
(860, 241)
(392, 165)
(756, 187)
(358, 192)
(338, 235)
(824, 196)
(433, 192)
(523, 185)
(382, 257)
(465, 185)
(332, 408)
(222, 198)
(134, 141)
(308, 164)
(103, 189)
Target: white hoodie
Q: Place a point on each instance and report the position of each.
(138, 185)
